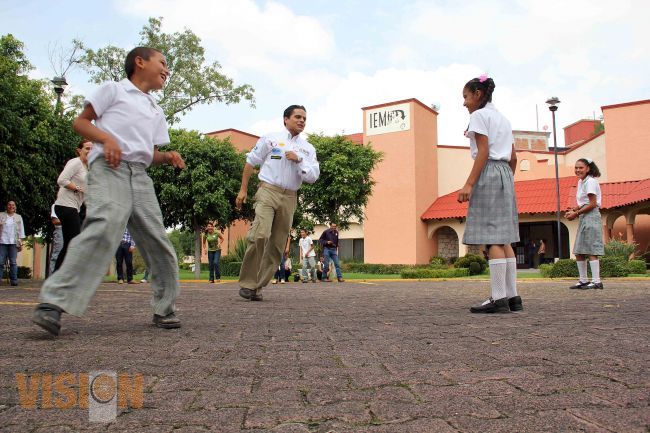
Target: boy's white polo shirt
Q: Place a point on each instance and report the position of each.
(132, 117)
(490, 122)
(306, 243)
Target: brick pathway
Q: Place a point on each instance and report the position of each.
(352, 357)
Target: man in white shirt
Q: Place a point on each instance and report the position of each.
(12, 232)
(285, 160)
(307, 256)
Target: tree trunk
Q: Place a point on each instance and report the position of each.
(197, 250)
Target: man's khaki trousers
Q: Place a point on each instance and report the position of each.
(267, 237)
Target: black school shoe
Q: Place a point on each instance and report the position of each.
(594, 286)
(169, 321)
(491, 306)
(515, 303)
(579, 285)
(48, 317)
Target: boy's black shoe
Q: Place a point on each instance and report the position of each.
(515, 303)
(169, 321)
(255, 296)
(491, 306)
(245, 293)
(594, 286)
(579, 285)
(48, 317)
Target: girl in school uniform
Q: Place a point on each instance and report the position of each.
(589, 241)
(492, 217)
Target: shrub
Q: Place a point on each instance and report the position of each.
(228, 258)
(415, 273)
(452, 260)
(240, 249)
(564, 268)
(24, 273)
(613, 267)
(437, 260)
(619, 248)
(230, 269)
(545, 270)
(636, 267)
(464, 262)
(474, 268)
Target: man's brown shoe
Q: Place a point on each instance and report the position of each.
(341, 280)
(169, 321)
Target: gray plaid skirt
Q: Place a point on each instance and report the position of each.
(589, 240)
(492, 217)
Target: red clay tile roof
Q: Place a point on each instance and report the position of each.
(538, 196)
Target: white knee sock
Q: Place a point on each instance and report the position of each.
(498, 278)
(595, 270)
(511, 277)
(582, 270)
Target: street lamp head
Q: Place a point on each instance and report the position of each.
(553, 102)
(59, 84)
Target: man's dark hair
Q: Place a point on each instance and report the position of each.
(289, 111)
(129, 63)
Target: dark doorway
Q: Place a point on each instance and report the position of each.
(546, 230)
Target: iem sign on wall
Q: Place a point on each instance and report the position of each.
(394, 118)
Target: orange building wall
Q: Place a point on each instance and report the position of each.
(579, 131)
(627, 141)
(406, 181)
(425, 125)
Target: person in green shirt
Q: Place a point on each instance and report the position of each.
(213, 241)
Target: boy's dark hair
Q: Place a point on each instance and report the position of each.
(129, 63)
(486, 87)
(289, 111)
(81, 143)
(593, 168)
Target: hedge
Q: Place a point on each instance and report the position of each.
(609, 267)
(636, 267)
(372, 268)
(230, 269)
(434, 273)
(613, 267)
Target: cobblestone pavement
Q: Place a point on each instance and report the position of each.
(350, 357)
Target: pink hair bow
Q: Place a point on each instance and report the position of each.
(482, 78)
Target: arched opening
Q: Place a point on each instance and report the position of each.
(447, 239)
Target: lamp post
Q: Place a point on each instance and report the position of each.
(552, 105)
(59, 87)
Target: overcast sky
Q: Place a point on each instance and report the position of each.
(335, 57)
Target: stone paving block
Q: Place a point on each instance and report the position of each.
(627, 420)
(553, 421)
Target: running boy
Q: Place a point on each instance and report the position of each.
(492, 217)
(128, 127)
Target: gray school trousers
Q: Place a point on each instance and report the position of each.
(116, 198)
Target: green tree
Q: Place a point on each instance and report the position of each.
(191, 80)
(35, 141)
(206, 190)
(183, 242)
(345, 184)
